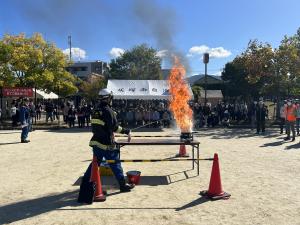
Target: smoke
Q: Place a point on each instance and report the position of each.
(157, 21)
(57, 17)
(161, 24)
(81, 19)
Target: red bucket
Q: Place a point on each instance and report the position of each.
(133, 177)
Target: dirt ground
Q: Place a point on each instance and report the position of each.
(39, 181)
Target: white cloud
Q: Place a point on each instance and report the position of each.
(219, 73)
(162, 53)
(116, 52)
(218, 52)
(77, 53)
(197, 50)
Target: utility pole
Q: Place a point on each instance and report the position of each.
(70, 46)
(205, 61)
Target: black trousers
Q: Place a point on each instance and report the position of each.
(260, 126)
(282, 124)
(290, 126)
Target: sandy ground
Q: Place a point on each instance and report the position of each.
(261, 173)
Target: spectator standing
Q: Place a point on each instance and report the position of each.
(252, 114)
(130, 117)
(290, 113)
(55, 111)
(166, 119)
(49, 108)
(139, 117)
(283, 117)
(71, 116)
(65, 111)
(24, 116)
(261, 113)
(80, 117)
(297, 115)
(38, 111)
(87, 109)
(31, 107)
(14, 113)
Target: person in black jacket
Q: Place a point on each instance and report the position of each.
(104, 124)
(261, 114)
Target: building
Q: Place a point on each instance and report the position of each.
(200, 80)
(83, 69)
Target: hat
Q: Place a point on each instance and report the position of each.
(105, 93)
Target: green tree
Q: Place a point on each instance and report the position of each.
(288, 65)
(6, 77)
(196, 92)
(139, 63)
(235, 80)
(33, 62)
(90, 89)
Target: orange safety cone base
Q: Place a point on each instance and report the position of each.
(182, 155)
(223, 195)
(182, 152)
(100, 198)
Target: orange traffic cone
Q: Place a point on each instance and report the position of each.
(182, 152)
(95, 177)
(215, 190)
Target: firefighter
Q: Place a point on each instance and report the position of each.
(290, 113)
(104, 124)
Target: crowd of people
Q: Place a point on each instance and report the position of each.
(156, 113)
(222, 114)
(134, 113)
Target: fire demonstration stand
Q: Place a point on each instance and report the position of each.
(194, 144)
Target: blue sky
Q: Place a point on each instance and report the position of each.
(101, 29)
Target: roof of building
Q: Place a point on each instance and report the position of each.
(212, 79)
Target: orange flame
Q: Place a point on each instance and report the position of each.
(180, 96)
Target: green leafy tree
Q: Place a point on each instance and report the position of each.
(139, 63)
(33, 62)
(196, 92)
(235, 80)
(90, 89)
(6, 77)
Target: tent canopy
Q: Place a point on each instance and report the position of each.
(141, 89)
(44, 95)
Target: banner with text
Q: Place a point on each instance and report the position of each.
(17, 92)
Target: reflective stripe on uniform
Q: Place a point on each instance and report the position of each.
(119, 129)
(97, 121)
(102, 146)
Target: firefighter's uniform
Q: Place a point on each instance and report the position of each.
(104, 124)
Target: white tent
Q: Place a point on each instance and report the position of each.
(140, 89)
(44, 95)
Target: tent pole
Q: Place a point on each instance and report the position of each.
(35, 104)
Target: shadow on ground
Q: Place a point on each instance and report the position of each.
(111, 182)
(71, 130)
(30, 208)
(294, 146)
(235, 133)
(272, 144)
(196, 202)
